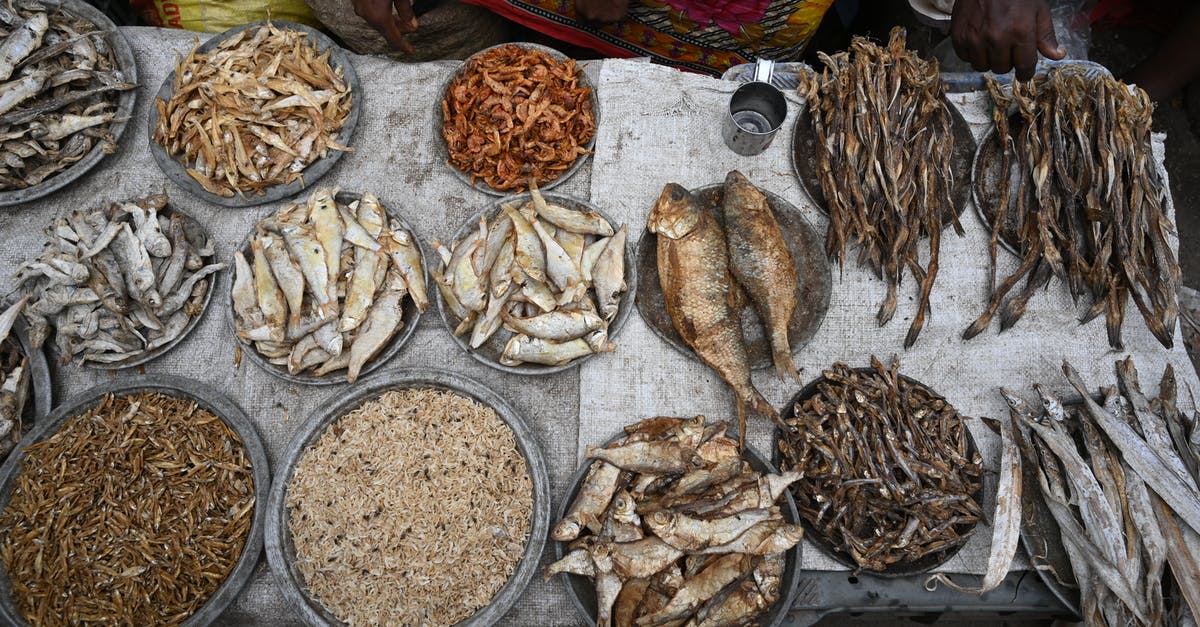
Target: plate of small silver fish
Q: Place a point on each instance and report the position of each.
(329, 289)
(24, 379)
(673, 520)
(67, 91)
(119, 285)
(536, 283)
(255, 114)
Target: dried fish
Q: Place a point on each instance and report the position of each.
(15, 378)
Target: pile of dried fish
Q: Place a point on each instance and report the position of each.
(888, 475)
(514, 113)
(61, 83)
(703, 270)
(534, 270)
(679, 528)
(134, 512)
(1115, 475)
(1088, 204)
(15, 389)
(254, 112)
(118, 282)
(326, 285)
(883, 151)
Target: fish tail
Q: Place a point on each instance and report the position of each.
(781, 354)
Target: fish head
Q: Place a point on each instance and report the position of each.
(624, 507)
(739, 191)
(660, 520)
(675, 213)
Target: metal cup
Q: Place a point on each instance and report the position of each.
(756, 111)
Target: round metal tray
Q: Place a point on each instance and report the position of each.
(315, 170)
(812, 295)
(125, 103)
(443, 151)
(583, 592)
(409, 315)
(899, 569)
(281, 552)
(179, 387)
(489, 352)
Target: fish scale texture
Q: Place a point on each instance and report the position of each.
(662, 126)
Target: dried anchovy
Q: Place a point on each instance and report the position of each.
(888, 478)
(134, 512)
(1088, 204)
(883, 142)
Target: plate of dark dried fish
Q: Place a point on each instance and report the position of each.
(812, 269)
(158, 452)
(673, 520)
(893, 486)
(120, 285)
(272, 75)
(542, 296)
(441, 517)
(72, 100)
(308, 314)
(516, 111)
(25, 392)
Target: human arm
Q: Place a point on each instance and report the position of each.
(378, 13)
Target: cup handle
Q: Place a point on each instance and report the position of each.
(764, 69)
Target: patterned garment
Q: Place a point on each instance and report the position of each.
(705, 36)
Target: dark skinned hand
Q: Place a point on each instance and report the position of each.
(378, 13)
(603, 11)
(1000, 35)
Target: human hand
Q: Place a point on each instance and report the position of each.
(601, 10)
(378, 13)
(1000, 35)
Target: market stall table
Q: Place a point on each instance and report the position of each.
(658, 126)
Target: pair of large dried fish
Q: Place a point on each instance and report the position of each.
(254, 112)
(703, 269)
(673, 526)
(532, 270)
(14, 380)
(59, 92)
(326, 284)
(888, 475)
(1116, 474)
(884, 145)
(1088, 203)
(118, 282)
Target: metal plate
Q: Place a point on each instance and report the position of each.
(443, 151)
(804, 146)
(125, 103)
(812, 295)
(583, 592)
(899, 569)
(315, 170)
(489, 352)
(281, 553)
(179, 387)
(409, 316)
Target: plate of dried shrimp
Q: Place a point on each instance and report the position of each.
(255, 114)
(514, 112)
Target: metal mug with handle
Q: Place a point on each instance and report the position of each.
(756, 111)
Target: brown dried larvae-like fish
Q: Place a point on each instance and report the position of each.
(637, 531)
(254, 112)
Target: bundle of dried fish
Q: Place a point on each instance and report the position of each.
(889, 479)
(678, 528)
(61, 83)
(254, 112)
(883, 151)
(515, 113)
(15, 388)
(703, 270)
(326, 284)
(1115, 474)
(550, 275)
(134, 512)
(1088, 204)
(118, 282)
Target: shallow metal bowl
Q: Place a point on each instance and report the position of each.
(179, 387)
(175, 171)
(281, 552)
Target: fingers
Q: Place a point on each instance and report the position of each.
(966, 24)
(378, 13)
(405, 17)
(999, 59)
(1047, 41)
